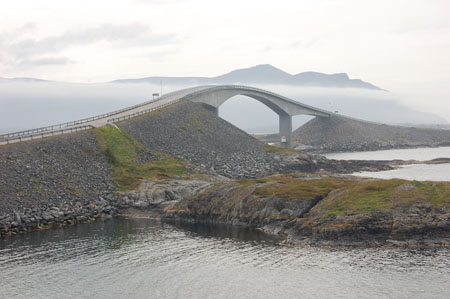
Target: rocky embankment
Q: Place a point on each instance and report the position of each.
(336, 134)
(53, 181)
(195, 134)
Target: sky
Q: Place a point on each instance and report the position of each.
(402, 46)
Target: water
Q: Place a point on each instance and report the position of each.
(420, 154)
(419, 172)
(140, 258)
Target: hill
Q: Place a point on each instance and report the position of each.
(343, 134)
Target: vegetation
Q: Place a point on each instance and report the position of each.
(293, 187)
(121, 150)
(383, 195)
(278, 149)
(351, 197)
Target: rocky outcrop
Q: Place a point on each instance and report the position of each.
(416, 223)
(152, 194)
(308, 217)
(303, 162)
(337, 133)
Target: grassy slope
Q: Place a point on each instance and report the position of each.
(383, 195)
(121, 151)
(352, 196)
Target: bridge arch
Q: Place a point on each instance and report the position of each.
(215, 96)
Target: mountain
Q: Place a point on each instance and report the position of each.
(22, 80)
(324, 80)
(260, 74)
(263, 74)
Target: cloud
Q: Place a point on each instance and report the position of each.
(303, 44)
(44, 51)
(45, 61)
(132, 34)
(156, 2)
(266, 49)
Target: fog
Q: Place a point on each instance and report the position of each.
(25, 105)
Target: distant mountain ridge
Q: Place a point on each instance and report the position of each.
(23, 79)
(263, 74)
(259, 74)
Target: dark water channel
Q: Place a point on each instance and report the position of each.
(141, 258)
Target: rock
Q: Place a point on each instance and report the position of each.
(151, 194)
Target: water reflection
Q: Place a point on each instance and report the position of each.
(241, 234)
(142, 258)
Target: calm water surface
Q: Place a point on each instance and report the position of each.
(419, 172)
(140, 258)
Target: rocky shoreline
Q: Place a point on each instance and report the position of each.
(32, 219)
(68, 207)
(302, 220)
(276, 216)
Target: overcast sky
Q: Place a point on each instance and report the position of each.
(400, 45)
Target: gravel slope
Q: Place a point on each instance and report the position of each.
(343, 134)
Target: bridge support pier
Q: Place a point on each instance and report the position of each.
(286, 130)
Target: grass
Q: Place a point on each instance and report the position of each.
(351, 197)
(291, 187)
(277, 149)
(120, 151)
(383, 195)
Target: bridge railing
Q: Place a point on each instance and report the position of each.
(113, 120)
(85, 120)
(44, 134)
(70, 123)
(116, 119)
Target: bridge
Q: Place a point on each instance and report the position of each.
(213, 96)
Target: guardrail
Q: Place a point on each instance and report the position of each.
(53, 130)
(85, 120)
(73, 123)
(44, 134)
(113, 120)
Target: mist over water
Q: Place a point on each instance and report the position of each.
(25, 105)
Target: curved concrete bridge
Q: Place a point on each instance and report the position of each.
(214, 96)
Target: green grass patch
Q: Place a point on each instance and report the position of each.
(383, 195)
(278, 149)
(350, 197)
(291, 187)
(120, 151)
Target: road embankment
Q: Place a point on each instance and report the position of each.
(340, 134)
